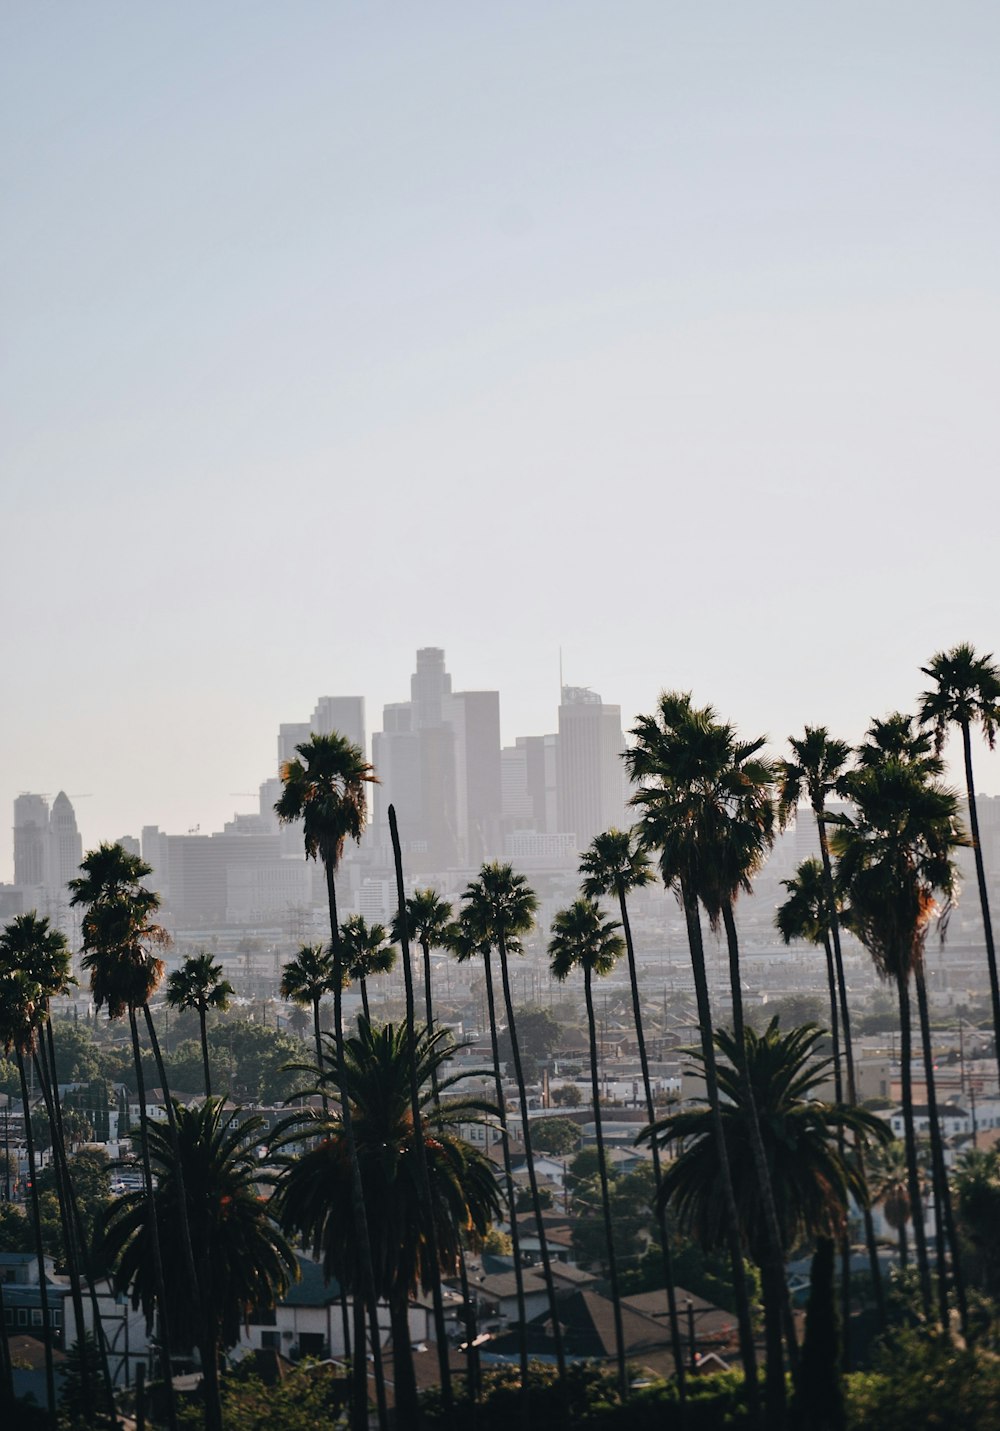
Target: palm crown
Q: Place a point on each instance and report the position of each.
(309, 976)
(816, 769)
(324, 787)
(805, 914)
(119, 935)
(966, 693)
(366, 949)
(198, 984)
(29, 944)
(428, 919)
(584, 938)
(500, 905)
(615, 863)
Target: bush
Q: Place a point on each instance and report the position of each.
(923, 1382)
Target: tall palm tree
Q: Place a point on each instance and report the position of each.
(198, 984)
(966, 693)
(20, 997)
(675, 761)
(244, 1259)
(467, 941)
(306, 980)
(325, 787)
(315, 1192)
(584, 938)
(502, 907)
(805, 915)
(895, 855)
(120, 938)
(367, 952)
(888, 1184)
(811, 1179)
(428, 921)
(614, 866)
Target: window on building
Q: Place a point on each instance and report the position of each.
(22, 1316)
(36, 1316)
(270, 1341)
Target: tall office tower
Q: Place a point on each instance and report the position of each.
(289, 736)
(590, 794)
(429, 684)
(474, 718)
(65, 845)
(31, 839)
(343, 714)
(396, 758)
(154, 852)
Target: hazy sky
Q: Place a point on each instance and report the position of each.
(663, 332)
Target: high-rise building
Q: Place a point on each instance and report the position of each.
(343, 714)
(290, 735)
(65, 846)
(590, 787)
(474, 718)
(31, 840)
(429, 685)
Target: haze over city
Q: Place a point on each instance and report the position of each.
(335, 333)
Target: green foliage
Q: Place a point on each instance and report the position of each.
(538, 1033)
(567, 1095)
(311, 1396)
(923, 1382)
(554, 1135)
(79, 1057)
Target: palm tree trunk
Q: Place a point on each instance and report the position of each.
(536, 1201)
(407, 1404)
(318, 1040)
(6, 1369)
(984, 899)
(208, 1351)
(904, 1255)
(359, 1361)
(944, 1213)
(605, 1195)
(838, 1093)
(425, 950)
(874, 1266)
(100, 1335)
(360, 1219)
(36, 1223)
(364, 1000)
(668, 1271)
(773, 1268)
(471, 1350)
(748, 1354)
(416, 1115)
(50, 1097)
(913, 1176)
(522, 1333)
(161, 1293)
(203, 1020)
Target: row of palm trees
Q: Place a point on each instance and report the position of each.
(709, 805)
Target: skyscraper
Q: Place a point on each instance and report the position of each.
(343, 714)
(31, 839)
(590, 787)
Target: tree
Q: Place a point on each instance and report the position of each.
(555, 1135)
(895, 859)
(584, 938)
(315, 1193)
(120, 939)
(811, 1179)
(428, 921)
(244, 1259)
(306, 980)
(889, 1189)
(325, 787)
(676, 759)
(366, 952)
(501, 907)
(198, 984)
(966, 693)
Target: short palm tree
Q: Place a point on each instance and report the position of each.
(895, 854)
(502, 908)
(198, 984)
(584, 938)
(244, 1259)
(966, 693)
(306, 980)
(428, 920)
(366, 951)
(806, 915)
(315, 1194)
(889, 1188)
(678, 754)
(325, 787)
(614, 866)
(811, 1179)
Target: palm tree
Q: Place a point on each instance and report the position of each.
(889, 1188)
(244, 1259)
(805, 915)
(584, 938)
(119, 940)
(428, 921)
(811, 1179)
(367, 952)
(325, 788)
(198, 984)
(467, 941)
(676, 759)
(306, 980)
(895, 858)
(967, 693)
(502, 908)
(315, 1189)
(615, 865)
(20, 997)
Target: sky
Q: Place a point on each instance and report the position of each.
(664, 334)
